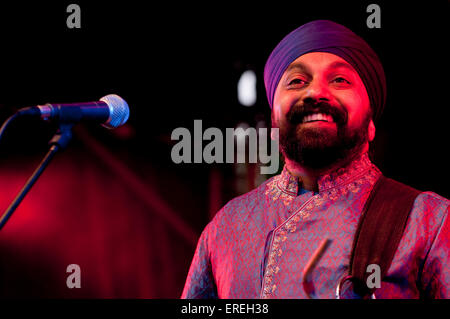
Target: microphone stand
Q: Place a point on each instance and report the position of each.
(59, 141)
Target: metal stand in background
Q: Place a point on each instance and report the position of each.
(307, 281)
(59, 141)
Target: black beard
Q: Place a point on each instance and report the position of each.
(320, 148)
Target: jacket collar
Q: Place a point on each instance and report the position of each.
(344, 175)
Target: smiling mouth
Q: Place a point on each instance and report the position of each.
(316, 117)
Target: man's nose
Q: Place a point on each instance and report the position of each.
(317, 91)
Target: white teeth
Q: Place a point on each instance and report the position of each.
(317, 117)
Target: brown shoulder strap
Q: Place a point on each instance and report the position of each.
(380, 229)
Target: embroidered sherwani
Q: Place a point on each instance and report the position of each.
(258, 245)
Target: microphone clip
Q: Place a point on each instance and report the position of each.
(62, 136)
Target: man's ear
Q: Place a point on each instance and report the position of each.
(275, 133)
(371, 131)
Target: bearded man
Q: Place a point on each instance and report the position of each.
(326, 88)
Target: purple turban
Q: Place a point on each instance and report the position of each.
(328, 36)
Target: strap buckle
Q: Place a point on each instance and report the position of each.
(341, 283)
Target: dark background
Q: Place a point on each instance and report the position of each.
(114, 202)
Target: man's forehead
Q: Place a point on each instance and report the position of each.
(319, 60)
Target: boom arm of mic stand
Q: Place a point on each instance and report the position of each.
(59, 141)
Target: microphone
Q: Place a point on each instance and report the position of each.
(111, 111)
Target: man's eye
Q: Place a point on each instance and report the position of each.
(296, 82)
(341, 80)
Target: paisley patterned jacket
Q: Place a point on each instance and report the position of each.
(258, 244)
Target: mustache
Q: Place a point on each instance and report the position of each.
(298, 112)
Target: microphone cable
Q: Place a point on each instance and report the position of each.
(22, 112)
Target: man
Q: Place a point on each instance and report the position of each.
(326, 88)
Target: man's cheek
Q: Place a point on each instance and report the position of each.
(356, 100)
(356, 120)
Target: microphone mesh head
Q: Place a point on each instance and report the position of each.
(118, 110)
